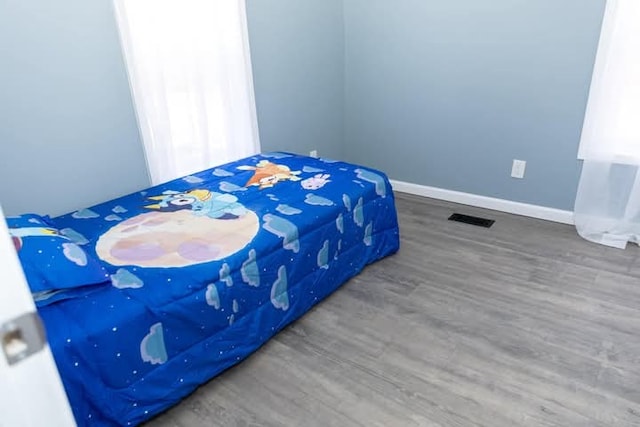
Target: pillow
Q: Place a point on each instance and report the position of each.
(50, 260)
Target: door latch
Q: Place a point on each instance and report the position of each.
(22, 337)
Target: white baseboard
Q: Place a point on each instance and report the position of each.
(517, 208)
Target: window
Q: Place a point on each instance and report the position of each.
(190, 75)
(611, 130)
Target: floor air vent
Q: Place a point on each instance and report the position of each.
(473, 220)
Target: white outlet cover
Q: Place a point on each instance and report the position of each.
(518, 168)
(313, 153)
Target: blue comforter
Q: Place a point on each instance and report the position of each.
(203, 270)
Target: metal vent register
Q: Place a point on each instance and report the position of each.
(473, 220)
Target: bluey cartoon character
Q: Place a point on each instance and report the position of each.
(268, 174)
(315, 182)
(200, 202)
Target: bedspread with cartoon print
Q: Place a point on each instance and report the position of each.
(204, 269)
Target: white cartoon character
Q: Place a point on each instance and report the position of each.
(315, 182)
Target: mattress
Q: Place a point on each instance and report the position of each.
(203, 270)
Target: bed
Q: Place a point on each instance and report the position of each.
(190, 277)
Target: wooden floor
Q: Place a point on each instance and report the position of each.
(522, 324)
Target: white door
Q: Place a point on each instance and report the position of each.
(31, 393)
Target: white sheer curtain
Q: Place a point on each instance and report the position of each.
(190, 74)
(607, 209)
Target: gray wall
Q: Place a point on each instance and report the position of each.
(440, 93)
(68, 133)
(297, 50)
(448, 93)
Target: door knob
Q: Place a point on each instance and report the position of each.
(22, 337)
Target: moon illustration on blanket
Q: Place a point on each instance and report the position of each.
(181, 229)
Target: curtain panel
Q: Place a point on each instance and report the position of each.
(190, 75)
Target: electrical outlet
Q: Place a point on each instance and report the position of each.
(518, 168)
(313, 153)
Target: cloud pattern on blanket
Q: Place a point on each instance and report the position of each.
(193, 179)
(347, 202)
(358, 213)
(222, 173)
(250, 271)
(225, 275)
(288, 210)
(124, 279)
(375, 179)
(229, 187)
(312, 199)
(279, 294)
(284, 229)
(74, 236)
(74, 254)
(323, 255)
(212, 297)
(85, 214)
(152, 347)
